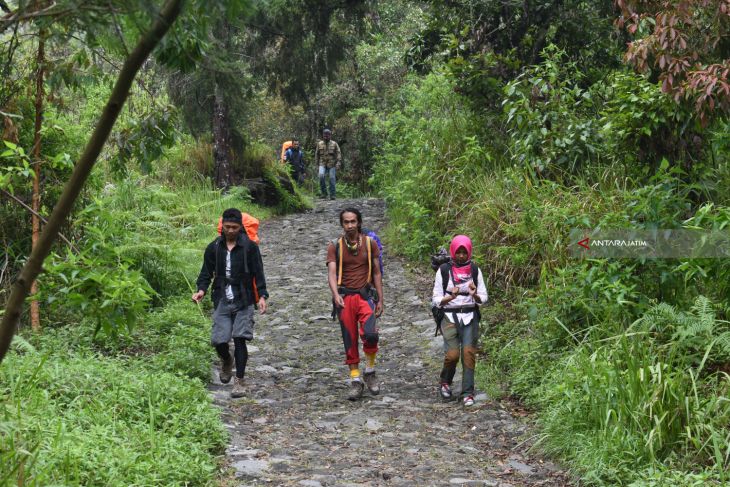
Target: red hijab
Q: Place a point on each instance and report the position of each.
(461, 273)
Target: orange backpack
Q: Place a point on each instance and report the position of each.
(251, 226)
(284, 147)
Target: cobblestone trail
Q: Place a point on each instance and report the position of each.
(295, 426)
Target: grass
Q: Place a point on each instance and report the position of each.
(89, 419)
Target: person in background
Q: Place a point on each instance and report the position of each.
(329, 159)
(294, 157)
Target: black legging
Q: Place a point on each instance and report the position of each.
(240, 354)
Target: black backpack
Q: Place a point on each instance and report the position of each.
(439, 312)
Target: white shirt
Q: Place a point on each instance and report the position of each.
(229, 289)
(460, 300)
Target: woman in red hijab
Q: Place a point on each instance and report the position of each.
(459, 290)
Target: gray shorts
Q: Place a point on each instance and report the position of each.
(230, 319)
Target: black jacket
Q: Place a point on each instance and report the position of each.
(295, 158)
(246, 264)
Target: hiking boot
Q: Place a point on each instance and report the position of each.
(226, 370)
(356, 388)
(238, 390)
(332, 197)
(445, 391)
(372, 382)
(469, 400)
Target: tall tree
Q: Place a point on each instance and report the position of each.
(221, 119)
(35, 319)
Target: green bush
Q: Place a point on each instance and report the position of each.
(616, 406)
(552, 121)
(426, 164)
(88, 420)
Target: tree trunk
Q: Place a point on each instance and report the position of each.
(35, 315)
(120, 92)
(221, 124)
(221, 141)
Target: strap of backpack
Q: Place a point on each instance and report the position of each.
(370, 259)
(339, 258)
(445, 271)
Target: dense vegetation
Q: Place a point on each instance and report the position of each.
(521, 125)
(513, 123)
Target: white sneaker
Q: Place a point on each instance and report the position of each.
(445, 391)
(469, 400)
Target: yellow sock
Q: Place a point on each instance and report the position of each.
(354, 373)
(371, 360)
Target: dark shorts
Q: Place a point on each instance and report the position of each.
(230, 319)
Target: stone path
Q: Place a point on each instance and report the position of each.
(295, 427)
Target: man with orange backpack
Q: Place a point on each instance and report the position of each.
(233, 262)
(294, 158)
(356, 284)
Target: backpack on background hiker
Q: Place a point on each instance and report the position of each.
(371, 233)
(286, 145)
(440, 257)
(445, 269)
(369, 290)
(250, 225)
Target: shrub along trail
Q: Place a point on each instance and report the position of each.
(295, 427)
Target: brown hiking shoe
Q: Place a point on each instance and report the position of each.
(226, 370)
(356, 388)
(372, 382)
(238, 390)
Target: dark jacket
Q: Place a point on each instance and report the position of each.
(295, 158)
(246, 264)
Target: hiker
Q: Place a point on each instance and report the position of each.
(353, 270)
(329, 159)
(233, 262)
(295, 158)
(459, 295)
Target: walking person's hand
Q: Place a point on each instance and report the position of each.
(379, 309)
(198, 296)
(472, 289)
(339, 301)
(262, 305)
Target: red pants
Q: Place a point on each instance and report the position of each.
(357, 318)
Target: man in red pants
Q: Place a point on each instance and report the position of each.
(357, 293)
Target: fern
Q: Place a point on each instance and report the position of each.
(687, 336)
(21, 345)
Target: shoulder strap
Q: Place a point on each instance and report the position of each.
(445, 271)
(370, 259)
(475, 274)
(338, 251)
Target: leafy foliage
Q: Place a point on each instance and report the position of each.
(685, 43)
(483, 44)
